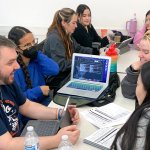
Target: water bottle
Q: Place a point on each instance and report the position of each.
(112, 52)
(31, 139)
(131, 26)
(65, 144)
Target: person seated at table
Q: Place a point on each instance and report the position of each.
(129, 82)
(60, 45)
(13, 102)
(34, 66)
(139, 35)
(85, 34)
(135, 133)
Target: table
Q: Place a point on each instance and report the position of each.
(87, 128)
(126, 59)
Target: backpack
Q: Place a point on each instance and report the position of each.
(56, 82)
(107, 96)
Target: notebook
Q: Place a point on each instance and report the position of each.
(102, 138)
(89, 76)
(49, 127)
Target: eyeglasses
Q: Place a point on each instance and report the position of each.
(28, 45)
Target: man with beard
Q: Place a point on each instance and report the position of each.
(13, 102)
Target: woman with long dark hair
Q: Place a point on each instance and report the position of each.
(135, 134)
(85, 33)
(34, 66)
(60, 45)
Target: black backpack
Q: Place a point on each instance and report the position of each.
(106, 97)
(109, 93)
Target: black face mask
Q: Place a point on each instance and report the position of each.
(30, 53)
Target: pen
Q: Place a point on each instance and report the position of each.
(67, 103)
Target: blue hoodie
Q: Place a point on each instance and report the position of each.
(38, 69)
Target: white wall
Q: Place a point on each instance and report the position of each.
(37, 15)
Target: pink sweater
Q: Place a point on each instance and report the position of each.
(139, 35)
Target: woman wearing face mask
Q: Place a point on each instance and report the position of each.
(139, 35)
(135, 134)
(60, 45)
(85, 34)
(34, 66)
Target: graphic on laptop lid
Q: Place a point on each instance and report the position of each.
(89, 75)
(50, 127)
(124, 46)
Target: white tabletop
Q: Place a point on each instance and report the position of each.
(126, 59)
(87, 128)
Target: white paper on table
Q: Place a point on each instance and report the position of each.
(106, 116)
(102, 138)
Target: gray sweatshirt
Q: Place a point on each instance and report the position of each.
(54, 48)
(128, 84)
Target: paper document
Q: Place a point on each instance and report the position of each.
(107, 116)
(102, 138)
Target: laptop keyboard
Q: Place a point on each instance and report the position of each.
(84, 86)
(42, 127)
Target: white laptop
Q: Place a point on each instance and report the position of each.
(89, 76)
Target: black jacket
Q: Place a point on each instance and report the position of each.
(86, 38)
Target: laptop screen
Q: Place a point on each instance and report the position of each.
(90, 68)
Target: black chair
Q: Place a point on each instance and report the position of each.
(56, 82)
(96, 46)
(40, 46)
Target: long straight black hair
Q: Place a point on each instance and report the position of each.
(80, 10)
(148, 13)
(129, 130)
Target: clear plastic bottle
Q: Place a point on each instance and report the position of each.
(31, 139)
(65, 144)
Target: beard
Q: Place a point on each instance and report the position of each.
(4, 79)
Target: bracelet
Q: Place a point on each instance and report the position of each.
(59, 114)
